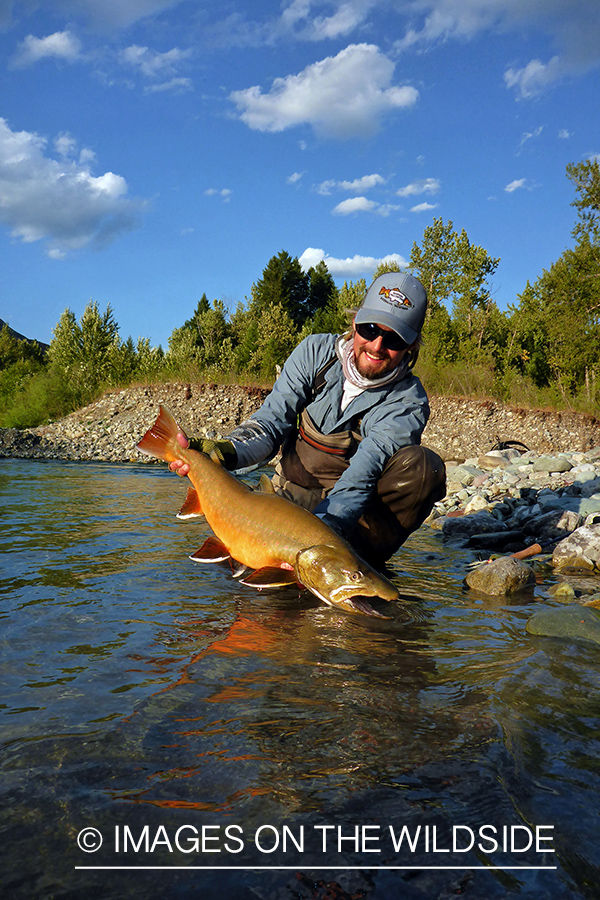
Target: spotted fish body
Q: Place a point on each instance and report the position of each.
(279, 542)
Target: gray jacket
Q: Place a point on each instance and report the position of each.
(391, 417)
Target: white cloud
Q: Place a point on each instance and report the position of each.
(366, 183)
(59, 201)
(114, 14)
(353, 205)
(157, 67)
(296, 19)
(223, 193)
(564, 134)
(533, 78)
(342, 96)
(423, 207)
(326, 187)
(61, 45)
(530, 135)
(65, 145)
(294, 178)
(361, 204)
(423, 186)
(573, 29)
(174, 84)
(516, 185)
(351, 267)
(299, 20)
(151, 63)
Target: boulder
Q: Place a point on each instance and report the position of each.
(476, 523)
(578, 622)
(580, 550)
(505, 575)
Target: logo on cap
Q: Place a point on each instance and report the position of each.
(395, 297)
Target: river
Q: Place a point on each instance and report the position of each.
(166, 732)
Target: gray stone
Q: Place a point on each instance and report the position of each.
(492, 461)
(475, 504)
(578, 622)
(476, 523)
(555, 525)
(552, 464)
(505, 575)
(464, 474)
(579, 550)
(497, 540)
(589, 505)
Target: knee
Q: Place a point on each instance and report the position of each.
(417, 469)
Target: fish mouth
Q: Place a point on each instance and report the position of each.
(362, 605)
(356, 603)
(347, 592)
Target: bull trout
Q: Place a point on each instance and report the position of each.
(267, 539)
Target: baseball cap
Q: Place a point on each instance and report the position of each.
(397, 300)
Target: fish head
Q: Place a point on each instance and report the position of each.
(340, 578)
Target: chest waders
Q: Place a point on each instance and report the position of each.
(413, 479)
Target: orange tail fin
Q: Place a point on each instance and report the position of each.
(161, 439)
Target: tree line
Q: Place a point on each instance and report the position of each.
(543, 350)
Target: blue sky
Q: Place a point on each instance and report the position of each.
(155, 150)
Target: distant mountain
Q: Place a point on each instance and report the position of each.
(21, 337)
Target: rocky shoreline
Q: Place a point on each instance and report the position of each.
(108, 429)
(543, 493)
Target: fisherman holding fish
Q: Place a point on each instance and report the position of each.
(348, 414)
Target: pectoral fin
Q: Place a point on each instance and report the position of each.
(212, 550)
(269, 576)
(191, 505)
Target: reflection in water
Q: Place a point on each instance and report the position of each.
(143, 694)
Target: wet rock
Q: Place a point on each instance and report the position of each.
(477, 523)
(505, 575)
(574, 622)
(563, 591)
(553, 526)
(581, 550)
(497, 540)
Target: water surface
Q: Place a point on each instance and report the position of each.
(261, 743)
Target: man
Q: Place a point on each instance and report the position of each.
(348, 415)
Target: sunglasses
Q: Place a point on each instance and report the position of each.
(390, 340)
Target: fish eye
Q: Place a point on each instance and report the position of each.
(355, 576)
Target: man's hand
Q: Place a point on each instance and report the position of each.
(178, 465)
(223, 450)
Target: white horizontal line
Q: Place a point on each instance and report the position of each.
(316, 868)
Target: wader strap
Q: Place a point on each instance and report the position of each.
(319, 382)
(318, 460)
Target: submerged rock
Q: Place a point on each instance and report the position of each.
(578, 622)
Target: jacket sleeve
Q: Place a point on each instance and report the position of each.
(260, 437)
(397, 422)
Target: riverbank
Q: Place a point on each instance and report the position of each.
(108, 429)
(543, 494)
